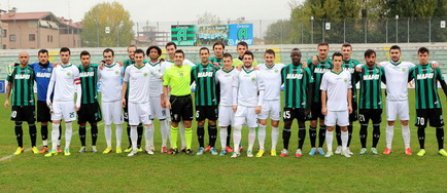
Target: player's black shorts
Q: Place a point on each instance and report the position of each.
(206, 112)
(375, 115)
(181, 108)
(125, 111)
(315, 112)
(432, 115)
(43, 112)
(294, 113)
(23, 113)
(89, 113)
(354, 115)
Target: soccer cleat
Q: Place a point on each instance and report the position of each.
(19, 151)
(284, 153)
(320, 151)
(298, 153)
(82, 150)
(273, 153)
(408, 151)
(249, 153)
(387, 151)
(223, 153)
(208, 148)
(67, 152)
(172, 151)
(139, 149)
(119, 150)
(150, 152)
(35, 150)
(363, 151)
(107, 150)
(338, 150)
(58, 149)
(213, 151)
(260, 153)
(229, 149)
(189, 152)
(312, 151)
(374, 151)
(132, 153)
(346, 153)
(200, 151)
(128, 150)
(442, 152)
(51, 153)
(235, 155)
(421, 152)
(329, 154)
(241, 149)
(43, 150)
(164, 149)
(349, 151)
(94, 150)
(183, 150)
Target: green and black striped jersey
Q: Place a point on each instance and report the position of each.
(204, 77)
(89, 80)
(217, 60)
(296, 80)
(426, 83)
(317, 73)
(22, 79)
(370, 92)
(350, 65)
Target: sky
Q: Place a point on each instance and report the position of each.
(162, 10)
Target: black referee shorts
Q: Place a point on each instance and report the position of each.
(181, 108)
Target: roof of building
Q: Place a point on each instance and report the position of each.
(24, 16)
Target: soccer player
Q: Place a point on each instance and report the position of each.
(177, 95)
(128, 62)
(90, 111)
(203, 75)
(155, 96)
(336, 102)
(322, 66)
(21, 83)
(64, 82)
(137, 78)
(349, 64)
(248, 94)
(110, 78)
(241, 48)
(428, 103)
(271, 76)
(370, 102)
(218, 49)
(298, 85)
(225, 77)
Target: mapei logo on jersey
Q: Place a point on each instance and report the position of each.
(320, 70)
(43, 75)
(86, 74)
(21, 76)
(371, 77)
(204, 74)
(294, 76)
(350, 70)
(425, 76)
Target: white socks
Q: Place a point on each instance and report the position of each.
(118, 134)
(406, 135)
(329, 139)
(275, 134)
(344, 140)
(68, 134)
(237, 134)
(251, 138)
(108, 135)
(134, 137)
(389, 135)
(54, 135)
(149, 135)
(223, 137)
(261, 136)
(164, 128)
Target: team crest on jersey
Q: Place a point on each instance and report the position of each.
(276, 70)
(345, 79)
(68, 73)
(117, 72)
(145, 74)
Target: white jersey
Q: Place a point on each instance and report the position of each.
(110, 78)
(397, 80)
(65, 78)
(271, 76)
(336, 86)
(225, 80)
(156, 84)
(138, 79)
(248, 88)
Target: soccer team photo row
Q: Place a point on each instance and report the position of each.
(224, 93)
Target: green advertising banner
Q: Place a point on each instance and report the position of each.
(184, 35)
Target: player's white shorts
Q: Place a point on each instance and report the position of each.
(226, 116)
(139, 113)
(246, 115)
(112, 112)
(270, 109)
(156, 110)
(63, 110)
(341, 118)
(397, 108)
